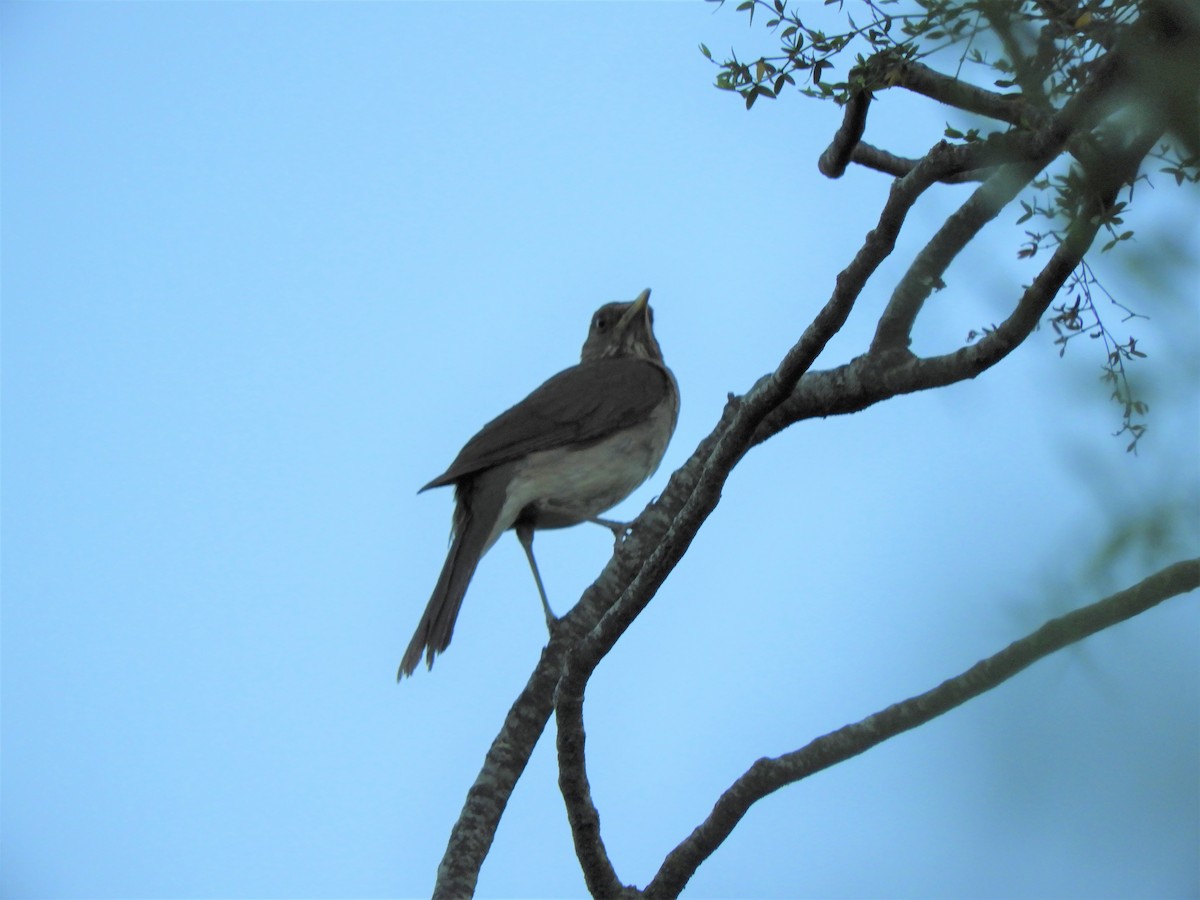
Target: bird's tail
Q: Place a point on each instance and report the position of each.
(474, 518)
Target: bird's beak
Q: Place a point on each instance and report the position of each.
(636, 309)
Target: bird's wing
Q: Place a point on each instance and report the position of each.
(578, 405)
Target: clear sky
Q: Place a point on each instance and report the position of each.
(267, 266)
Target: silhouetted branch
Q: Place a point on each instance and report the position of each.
(875, 377)
(920, 79)
(598, 871)
(768, 775)
(925, 272)
(472, 835)
(881, 161)
(837, 155)
(881, 375)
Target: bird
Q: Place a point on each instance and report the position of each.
(574, 448)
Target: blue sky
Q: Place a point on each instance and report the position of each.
(267, 266)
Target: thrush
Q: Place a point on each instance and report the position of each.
(574, 448)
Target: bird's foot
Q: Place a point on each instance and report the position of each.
(620, 530)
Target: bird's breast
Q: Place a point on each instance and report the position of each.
(588, 479)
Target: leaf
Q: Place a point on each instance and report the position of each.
(707, 53)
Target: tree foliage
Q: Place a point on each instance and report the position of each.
(1017, 67)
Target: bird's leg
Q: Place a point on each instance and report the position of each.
(619, 529)
(525, 536)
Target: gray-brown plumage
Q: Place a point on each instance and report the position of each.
(577, 446)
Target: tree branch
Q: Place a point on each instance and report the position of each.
(598, 871)
(920, 79)
(1000, 16)
(837, 155)
(847, 146)
(924, 275)
(872, 378)
(472, 835)
(768, 775)
(925, 272)
(872, 157)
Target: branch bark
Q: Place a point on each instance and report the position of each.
(921, 79)
(769, 775)
(598, 871)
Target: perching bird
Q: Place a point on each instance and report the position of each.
(577, 446)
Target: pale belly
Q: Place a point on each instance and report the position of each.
(564, 486)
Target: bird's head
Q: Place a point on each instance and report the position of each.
(622, 329)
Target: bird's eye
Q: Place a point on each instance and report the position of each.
(600, 323)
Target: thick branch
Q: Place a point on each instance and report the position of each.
(882, 161)
(472, 835)
(847, 147)
(837, 155)
(768, 775)
(598, 871)
(920, 79)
